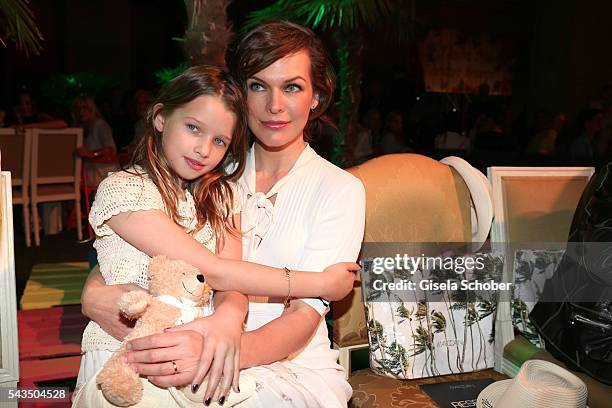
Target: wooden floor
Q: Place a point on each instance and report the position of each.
(50, 327)
(50, 347)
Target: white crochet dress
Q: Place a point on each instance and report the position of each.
(119, 261)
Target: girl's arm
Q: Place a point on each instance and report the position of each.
(153, 233)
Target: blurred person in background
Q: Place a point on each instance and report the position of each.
(26, 115)
(393, 139)
(368, 135)
(591, 122)
(452, 138)
(544, 142)
(601, 142)
(98, 148)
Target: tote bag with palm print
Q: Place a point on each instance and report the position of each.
(423, 333)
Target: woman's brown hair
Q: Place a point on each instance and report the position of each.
(269, 42)
(212, 193)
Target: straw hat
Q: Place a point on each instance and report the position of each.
(539, 384)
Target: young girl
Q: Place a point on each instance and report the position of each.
(177, 200)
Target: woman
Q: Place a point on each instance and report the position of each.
(299, 211)
(98, 144)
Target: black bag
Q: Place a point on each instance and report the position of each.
(577, 327)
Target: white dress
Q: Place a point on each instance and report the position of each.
(119, 261)
(317, 219)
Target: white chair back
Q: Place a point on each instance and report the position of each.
(531, 205)
(16, 154)
(56, 170)
(16, 150)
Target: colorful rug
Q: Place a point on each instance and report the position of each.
(54, 284)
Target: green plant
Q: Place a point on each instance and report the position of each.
(61, 89)
(166, 74)
(17, 25)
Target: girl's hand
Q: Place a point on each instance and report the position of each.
(338, 280)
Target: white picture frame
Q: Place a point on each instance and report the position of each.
(9, 354)
(502, 241)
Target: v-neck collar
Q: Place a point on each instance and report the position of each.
(250, 175)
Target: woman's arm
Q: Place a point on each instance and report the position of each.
(99, 303)
(153, 233)
(98, 154)
(281, 337)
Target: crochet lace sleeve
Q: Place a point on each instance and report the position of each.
(122, 192)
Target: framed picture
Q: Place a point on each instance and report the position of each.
(9, 352)
(533, 209)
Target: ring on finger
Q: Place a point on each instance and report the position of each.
(174, 367)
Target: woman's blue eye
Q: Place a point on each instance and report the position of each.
(255, 86)
(293, 88)
(218, 141)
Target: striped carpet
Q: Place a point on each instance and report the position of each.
(54, 284)
(50, 326)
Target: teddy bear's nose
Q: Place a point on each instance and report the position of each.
(200, 278)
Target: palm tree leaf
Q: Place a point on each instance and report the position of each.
(18, 25)
(324, 14)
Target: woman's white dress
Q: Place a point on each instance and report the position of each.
(317, 219)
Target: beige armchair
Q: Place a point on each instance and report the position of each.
(409, 198)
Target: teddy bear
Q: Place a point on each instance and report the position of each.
(177, 294)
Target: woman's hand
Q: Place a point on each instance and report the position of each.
(82, 151)
(209, 346)
(156, 356)
(99, 303)
(338, 280)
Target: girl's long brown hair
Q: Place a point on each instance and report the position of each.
(212, 193)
